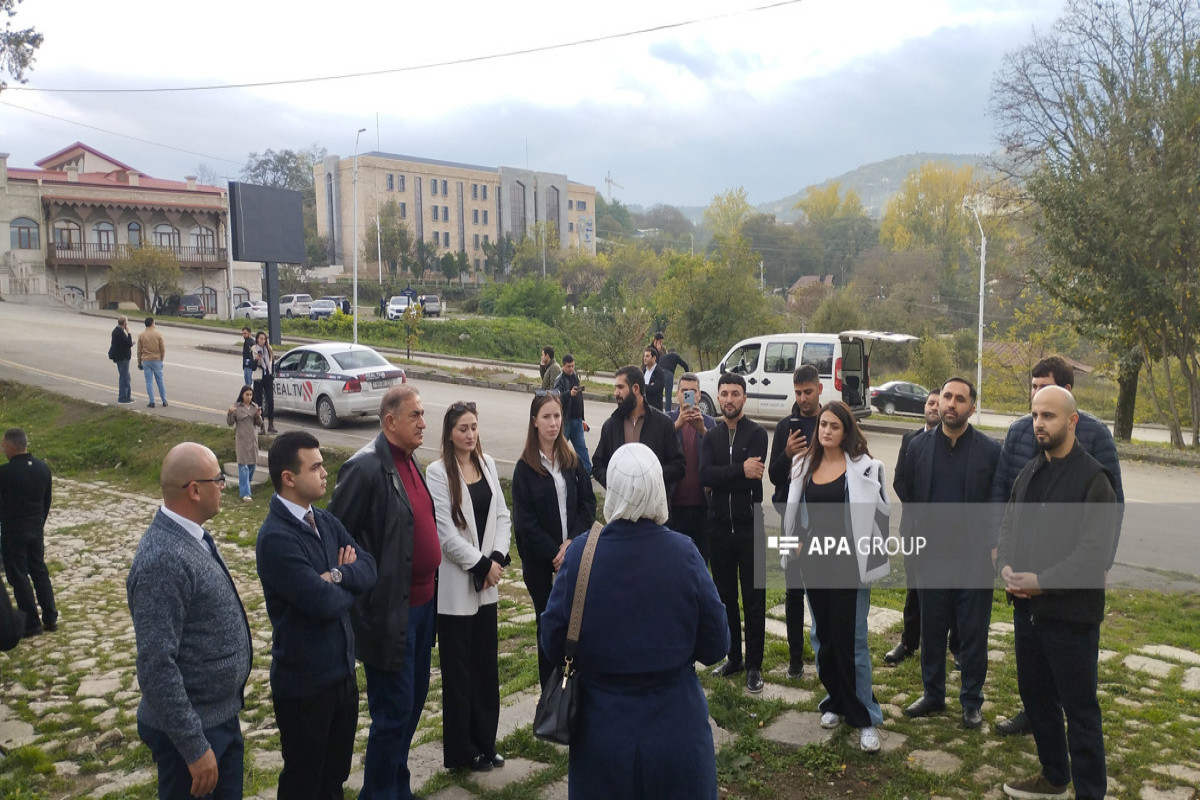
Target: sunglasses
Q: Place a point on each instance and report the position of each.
(219, 480)
(547, 393)
(461, 407)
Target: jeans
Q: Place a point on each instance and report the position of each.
(574, 433)
(245, 475)
(668, 388)
(124, 390)
(174, 780)
(395, 699)
(153, 370)
(248, 376)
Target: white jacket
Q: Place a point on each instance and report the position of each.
(460, 546)
(866, 491)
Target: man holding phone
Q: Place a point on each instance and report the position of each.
(689, 504)
(792, 435)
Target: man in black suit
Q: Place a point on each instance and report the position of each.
(25, 493)
(635, 420)
(654, 377)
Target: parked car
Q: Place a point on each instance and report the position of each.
(900, 397)
(334, 380)
(295, 305)
(432, 305)
(322, 309)
(188, 305)
(341, 301)
(398, 305)
(252, 309)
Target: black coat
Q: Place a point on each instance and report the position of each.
(536, 522)
(658, 433)
(668, 362)
(900, 480)
(121, 348)
(779, 466)
(656, 387)
(572, 406)
(733, 494)
(983, 453)
(25, 495)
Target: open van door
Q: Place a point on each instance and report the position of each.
(852, 373)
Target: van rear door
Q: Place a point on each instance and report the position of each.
(851, 372)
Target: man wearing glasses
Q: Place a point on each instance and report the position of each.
(193, 640)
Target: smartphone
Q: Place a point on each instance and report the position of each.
(689, 397)
(806, 425)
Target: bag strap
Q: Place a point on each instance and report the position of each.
(581, 584)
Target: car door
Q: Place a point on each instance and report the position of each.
(774, 381)
(746, 361)
(288, 380)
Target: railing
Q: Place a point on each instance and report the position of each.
(99, 253)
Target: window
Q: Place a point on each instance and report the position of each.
(240, 295)
(570, 227)
(474, 191)
(477, 241)
(744, 360)
(484, 192)
(581, 205)
(475, 216)
(106, 236)
(290, 362)
(444, 192)
(485, 216)
(391, 182)
(570, 205)
(404, 211)
(820, 355)
(445, 213)
(433, 186)
(203, 240)
(400, 181)
(135, 234)
(781, 357)
(166, 235)
(477, 265)
(208, 298)
(67, 235)
(24, 234)
(485, 240)
(435, 213)
(436, 238)
(446, 239)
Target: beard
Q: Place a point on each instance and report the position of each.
(1052, 442)
(733, 413)
(956, 424)
(626, 406)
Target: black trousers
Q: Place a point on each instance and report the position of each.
(733, 566)
(911, 638)
(264, 396)
(539, 580)
(793, 612)
(316, 737)
(972, 608)
(835, 619)
(470, 685)
(692, 521)
(24, 557)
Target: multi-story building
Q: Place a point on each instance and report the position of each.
(79, 210)
(458, 207)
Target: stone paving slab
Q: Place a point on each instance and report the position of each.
(555, 791)
(935, 761)
(15, 733)
(788, 694)
(1191, 679)
(882, 620)
(798, 729)
(721, 737)
(1151, 666)
(1171, 653)
(452, 793)
(516, 712)
(1151, 792)
(123, 782)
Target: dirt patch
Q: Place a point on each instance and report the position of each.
(854, 781)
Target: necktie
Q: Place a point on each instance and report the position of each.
(312, 522)
(212, 546)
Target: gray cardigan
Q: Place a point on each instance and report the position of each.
(193, 639)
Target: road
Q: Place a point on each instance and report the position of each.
(66, 352)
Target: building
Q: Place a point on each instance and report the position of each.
(458, 207)
(79, 210)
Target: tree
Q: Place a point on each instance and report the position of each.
(825, 204)
(614, 333)
(614, 223)
(498, 255)
(928, 212)
(726, 213)
(392, 239)
(932, 361)
(152, 271)
(413, 317)
(838, 312)
(285, 169)
(17, 47)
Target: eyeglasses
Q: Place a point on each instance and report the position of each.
(461, 407)
(219, 480)
(547, 393)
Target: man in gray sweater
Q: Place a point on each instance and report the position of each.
(193, 639)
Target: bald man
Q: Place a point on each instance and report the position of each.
(193, 640)
(1055, 542)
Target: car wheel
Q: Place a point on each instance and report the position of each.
(889, 408)
(707, 406)
(289, 314)
(326, 413)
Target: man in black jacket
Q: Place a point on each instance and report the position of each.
(574, 425)
(634, 420)
(948, 486)
(25, 493)
(669, 360)
(654, 377)
(247, 356)
(120, 351)
(1054, 546)
(732, 462)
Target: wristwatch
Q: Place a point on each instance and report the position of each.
(335, 575)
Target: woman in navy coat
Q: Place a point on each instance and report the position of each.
(651, 612)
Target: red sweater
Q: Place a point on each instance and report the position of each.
(427, 549)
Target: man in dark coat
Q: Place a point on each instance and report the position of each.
(247, 356)
(634, 420)
(669, 360)
(654, 377)
(574, 425)
(689, 503)
(120, 351)
(25, 495)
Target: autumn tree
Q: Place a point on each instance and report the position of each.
(17, 46)
(153, 272)
(392, 240)
(726, 213)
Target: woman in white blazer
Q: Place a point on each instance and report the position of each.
(838, 509)
(474, 529)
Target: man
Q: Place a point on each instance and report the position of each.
(910, 638)
(311, 572)
(1020, 445)
(151, 350)
(654, 377)
(382, 500)
(549, 369)
(25, 494)
(574, 425)
(120, 351)
(247, 356)
(634, 420)
(1055, 544)
(669, 360)
(689, 503)
(732, 462)
(792, 434)
(948, 471)
(193, 640)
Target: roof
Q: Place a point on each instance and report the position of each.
(54, 158)
(1012, 354)
(327, 348)
(431, 161)
(111, 179)
(127, 202)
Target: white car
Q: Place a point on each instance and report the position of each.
(398, 305)
(334, 380)
(252, 309)
(295, 305)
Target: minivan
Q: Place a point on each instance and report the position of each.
(767, 363)
(295, 305)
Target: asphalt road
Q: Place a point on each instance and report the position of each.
(66, 352)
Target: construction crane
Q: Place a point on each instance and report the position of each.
(608, 180)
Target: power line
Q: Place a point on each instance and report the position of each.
(419, 67)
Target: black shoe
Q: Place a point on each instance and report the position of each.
(795, 672)
(164, 403)
(923, 708)
(50, 626)
(897, 654)
(149, 405)
(754, 681)
(1015, 726)
(481, 763)
(497, 760)
(728, 668)
(32, 630)
(972, 718)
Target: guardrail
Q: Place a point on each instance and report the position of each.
(100, 253)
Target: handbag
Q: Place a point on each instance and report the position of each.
(557, 708)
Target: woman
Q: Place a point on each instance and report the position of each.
(264, 360)
(839, 497)
(651, 611)
(473, 527)
(553, 503)
(246, 419)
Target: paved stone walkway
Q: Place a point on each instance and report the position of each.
(74, 694)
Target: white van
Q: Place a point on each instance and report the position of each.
(767, 364)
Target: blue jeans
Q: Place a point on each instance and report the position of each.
(245, 475)
(124, 390)
(395, 699)
(174, 780)
(153, 370)
(248, 376)
(574, 432)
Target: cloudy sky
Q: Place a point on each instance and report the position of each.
(679, 100)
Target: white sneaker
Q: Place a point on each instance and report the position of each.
(868, 740)
(830, 720)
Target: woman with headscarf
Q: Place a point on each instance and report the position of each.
(650, 613)
(838, 497)
(553, 503)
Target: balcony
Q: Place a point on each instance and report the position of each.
(93, 254)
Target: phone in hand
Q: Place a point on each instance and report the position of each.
(806, 425)
(689, 397)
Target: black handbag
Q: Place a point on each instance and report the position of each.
(557, 708)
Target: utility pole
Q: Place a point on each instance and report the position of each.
(354, 239)
(982, 288)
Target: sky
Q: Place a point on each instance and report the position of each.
(677, 100)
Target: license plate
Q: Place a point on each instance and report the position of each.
(383, 384)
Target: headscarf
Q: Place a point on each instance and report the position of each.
(635, 485)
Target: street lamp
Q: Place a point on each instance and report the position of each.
(354, 238)
(379, 250)
(979, 348)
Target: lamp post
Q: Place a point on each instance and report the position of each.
(979, 347)
(354, 238)
(379, 250)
